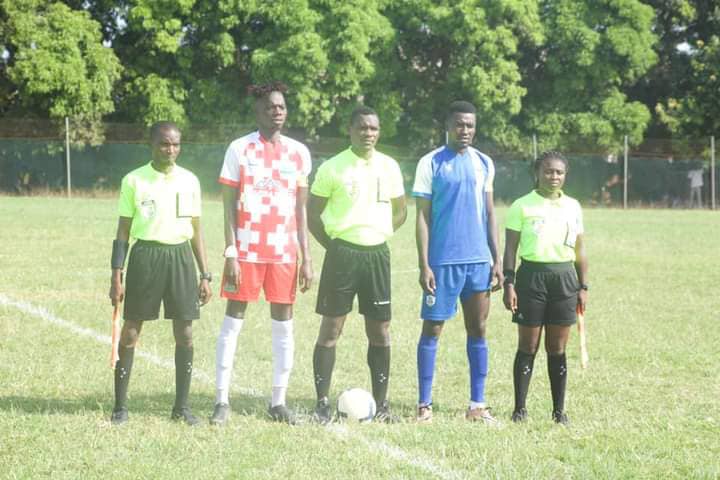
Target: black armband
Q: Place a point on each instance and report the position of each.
(119, 252)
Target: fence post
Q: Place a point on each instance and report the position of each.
(712, 170)
(625, 173)
(67, 156)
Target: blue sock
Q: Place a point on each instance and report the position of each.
(477, 352)
(426, 349)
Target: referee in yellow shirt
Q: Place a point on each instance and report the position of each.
(160, 207)
(356, 203)
(545, 227)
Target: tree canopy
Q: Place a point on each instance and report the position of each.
(568, 70)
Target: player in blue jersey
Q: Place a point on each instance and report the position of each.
(457, 243)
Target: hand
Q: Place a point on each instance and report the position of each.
(117, 291)
(582, 301)
(510, 298)
(205, 292)
(231, 274)
(427, 280)
(497, 276)
(306, 276)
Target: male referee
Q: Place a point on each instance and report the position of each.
(356, 203)
(160, 207)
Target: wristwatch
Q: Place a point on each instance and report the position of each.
(206, 276)
(584, 286)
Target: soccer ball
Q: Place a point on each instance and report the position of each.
(356, 404)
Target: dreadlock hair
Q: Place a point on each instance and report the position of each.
(460, 106)
(162, 126)
(548, 155)
(261, 91)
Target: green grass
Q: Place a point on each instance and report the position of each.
(647, 407)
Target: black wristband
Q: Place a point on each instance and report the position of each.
(509, 276)
(119, 252)
(584, 286)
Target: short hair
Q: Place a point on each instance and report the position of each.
(162, 126)
(361, 111)
(461, 106)
(260, 91)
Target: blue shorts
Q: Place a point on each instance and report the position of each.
(451, 282)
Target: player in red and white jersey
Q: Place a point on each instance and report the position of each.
(265, 188)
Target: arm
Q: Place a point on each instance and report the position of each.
(198, 247)
(512, 240)
(306, 271)
(316, 206)
(399, 212)
(493, 243)
(581, 267)
(231, 270)
(117, 291)
(422, 241)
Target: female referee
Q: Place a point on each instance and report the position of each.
(545, 228)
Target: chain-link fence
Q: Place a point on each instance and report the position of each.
(658, 173)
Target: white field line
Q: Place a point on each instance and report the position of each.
(338, 430)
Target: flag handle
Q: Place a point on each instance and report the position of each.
(584, 357)
(115, 336)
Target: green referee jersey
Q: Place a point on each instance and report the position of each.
(548, 227)
(161, 205)
(359, 194)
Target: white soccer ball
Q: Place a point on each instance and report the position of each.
(356, 404)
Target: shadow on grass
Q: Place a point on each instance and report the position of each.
(160, 405)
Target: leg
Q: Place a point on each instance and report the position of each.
(225, 348)
(475, 312)
(556, 337)
(426, 351)
(324, 355)
(283, 347)
(182, 330)
(126, 352)
(528, 341)
(378, 356)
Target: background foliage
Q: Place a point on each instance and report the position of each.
(587, 70)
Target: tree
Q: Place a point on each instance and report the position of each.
(57, 66)
(577, 79)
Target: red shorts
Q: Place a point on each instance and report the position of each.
(278, 280)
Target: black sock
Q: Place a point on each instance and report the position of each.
(183, 375)
(557, 370)
(323, 364)
(522, 373)
(123, 367)
(378, 359)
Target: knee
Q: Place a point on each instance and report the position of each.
(129, 337)
(235, 309)
(529, 348)
(555, 350)
(379, 339)
(329, 335)
(184, 338)
(477, 330)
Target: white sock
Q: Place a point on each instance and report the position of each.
(474, 405)
(224, 356)
(283, 348)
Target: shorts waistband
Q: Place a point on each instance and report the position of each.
(547, 267)
(154, 244)
(364, 248)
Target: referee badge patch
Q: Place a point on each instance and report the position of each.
(430, 300)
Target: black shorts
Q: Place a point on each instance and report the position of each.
(157, 272)
(350, 269)
(547, 294)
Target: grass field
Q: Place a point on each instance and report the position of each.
(647, 407)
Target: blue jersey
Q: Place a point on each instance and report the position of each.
(456, 185)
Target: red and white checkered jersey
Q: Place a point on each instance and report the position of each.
(266, 176)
